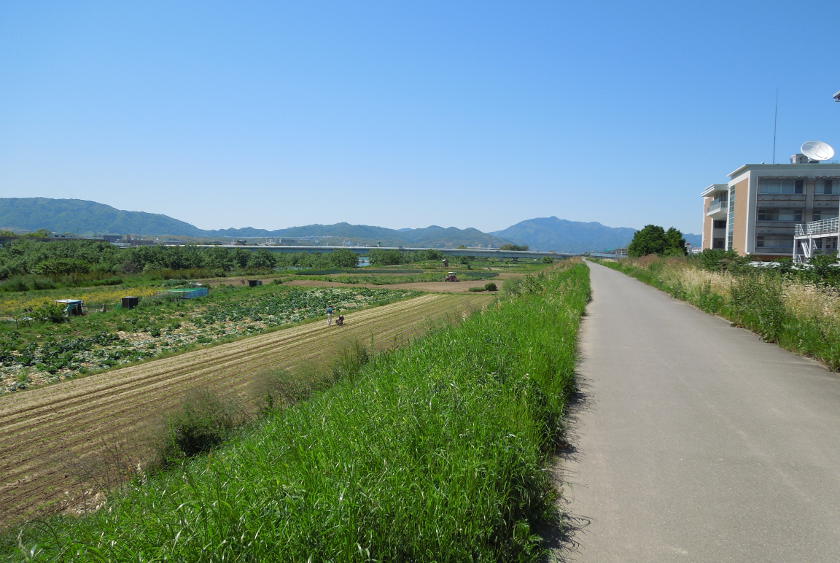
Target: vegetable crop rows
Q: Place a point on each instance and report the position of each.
(46, 353)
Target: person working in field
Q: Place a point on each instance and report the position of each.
(330, 312)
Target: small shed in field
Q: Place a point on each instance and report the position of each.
(189, 292)
(72, 306)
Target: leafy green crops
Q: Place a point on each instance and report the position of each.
(51, 352)
(435, 451)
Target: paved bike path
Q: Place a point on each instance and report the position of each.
(695, 440)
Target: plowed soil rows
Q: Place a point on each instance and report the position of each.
(62, 444)
(436, 287)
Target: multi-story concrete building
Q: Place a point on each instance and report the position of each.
(757, 211)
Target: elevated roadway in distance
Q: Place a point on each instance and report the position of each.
(365, 250)
(695, 440)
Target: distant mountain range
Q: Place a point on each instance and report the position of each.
(91, 218)
(572, 236)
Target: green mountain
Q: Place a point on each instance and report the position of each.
(91, 218)
(85, 218)
(551, 233)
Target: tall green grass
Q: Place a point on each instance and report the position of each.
(435, 451)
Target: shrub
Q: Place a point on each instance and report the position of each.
(350, 362)
(50, 312)
(202, 423)
(490, 286)
(757, 304)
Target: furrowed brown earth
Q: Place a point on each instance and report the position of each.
(63, 445)
(436, 287)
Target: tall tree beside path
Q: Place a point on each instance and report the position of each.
(653, 239)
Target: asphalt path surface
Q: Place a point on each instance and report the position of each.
(695, 440)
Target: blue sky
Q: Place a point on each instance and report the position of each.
(274, 114)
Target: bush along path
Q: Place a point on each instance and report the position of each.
(434, 451)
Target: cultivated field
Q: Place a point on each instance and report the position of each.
(430, 286)
(436, 450)
(61, 445)
(40, 353)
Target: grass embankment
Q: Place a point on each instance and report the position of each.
(802, 317)
(435, 451)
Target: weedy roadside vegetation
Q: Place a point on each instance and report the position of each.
(434, 451)
(798, 309)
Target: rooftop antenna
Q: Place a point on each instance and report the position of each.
(817, 150)
(775, 121)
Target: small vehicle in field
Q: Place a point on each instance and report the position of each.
(451, 277)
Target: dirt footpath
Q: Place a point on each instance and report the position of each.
(62, 444)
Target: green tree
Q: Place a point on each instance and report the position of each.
(653, 239)
(650, 240)
(262, 260)
(513, 247)
(385, 257)
(344, 258)
(675, 243)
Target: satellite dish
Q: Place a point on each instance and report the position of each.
(817, 150)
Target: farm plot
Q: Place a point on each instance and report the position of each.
(47, 353)
(61, 445)
(428, 286)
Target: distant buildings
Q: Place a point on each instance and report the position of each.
(757, 211)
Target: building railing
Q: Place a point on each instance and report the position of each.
(823, 227)
(716, 206)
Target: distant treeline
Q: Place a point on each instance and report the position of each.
(38, 264)
(391, 257)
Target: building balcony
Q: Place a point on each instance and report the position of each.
(826, 227)
(717, 209)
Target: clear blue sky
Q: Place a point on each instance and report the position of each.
(273, 114)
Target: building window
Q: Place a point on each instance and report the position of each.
(821, 213)
(774, 242)
(774, 214)
(731, 225)
(780, 186)
(826, 187)
(718, 243)
(825, 243)
(719, 224)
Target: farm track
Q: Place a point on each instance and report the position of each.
(53, 440)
